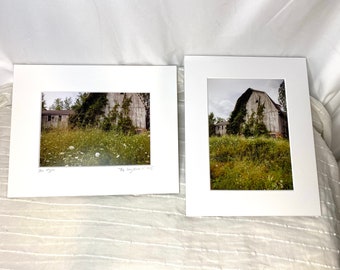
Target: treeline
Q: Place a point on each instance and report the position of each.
(58, 104)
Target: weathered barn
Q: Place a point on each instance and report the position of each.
(137, 110)
(55, 118)
(274, 118)
(221, 128)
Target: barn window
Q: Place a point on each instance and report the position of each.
(49, 118)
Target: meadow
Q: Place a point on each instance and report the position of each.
(93, 147)
(239, 163)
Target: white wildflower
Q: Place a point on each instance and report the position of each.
(117, 156)
(61, 153)
(71, 147)
(76, 157)
(97, 154)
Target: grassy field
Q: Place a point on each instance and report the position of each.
(238, 163)
(93, 147)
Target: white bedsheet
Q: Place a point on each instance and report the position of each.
(152, 232)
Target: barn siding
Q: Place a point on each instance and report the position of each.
(137, 109)
(271, 113)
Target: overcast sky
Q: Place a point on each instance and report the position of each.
(50, 97)
(223, 93)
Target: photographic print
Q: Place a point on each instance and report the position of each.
(248, 135)
(94, 129)
(249, 139)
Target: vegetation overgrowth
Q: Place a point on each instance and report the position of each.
(253, 163)
(93, 147)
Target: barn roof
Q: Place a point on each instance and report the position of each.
(243, 100)
(57, 112)
(277, 106)
(223, 123)
(246, 95)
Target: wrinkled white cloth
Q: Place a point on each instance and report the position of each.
(152, 231)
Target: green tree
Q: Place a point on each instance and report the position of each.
(212, 122)
(57, 105)
(67, 103)
(88, 109)
(80, 100)
(110, 121)
(145, 98)
(248, 126)
(238, 115)
(60, 104)
(255, 126)
(237, 118)
(124, 123)
(43, 102)
(282, 96)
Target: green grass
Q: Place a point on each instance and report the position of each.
(238, 163)
(93, 147)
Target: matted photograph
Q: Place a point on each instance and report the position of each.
(93, 130)
(249, 137)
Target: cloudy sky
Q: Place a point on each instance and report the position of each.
(51, 96)
(223, 93)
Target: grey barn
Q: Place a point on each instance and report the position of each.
(274, 118)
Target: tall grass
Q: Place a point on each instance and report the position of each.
(238, 163)
(93, 147)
